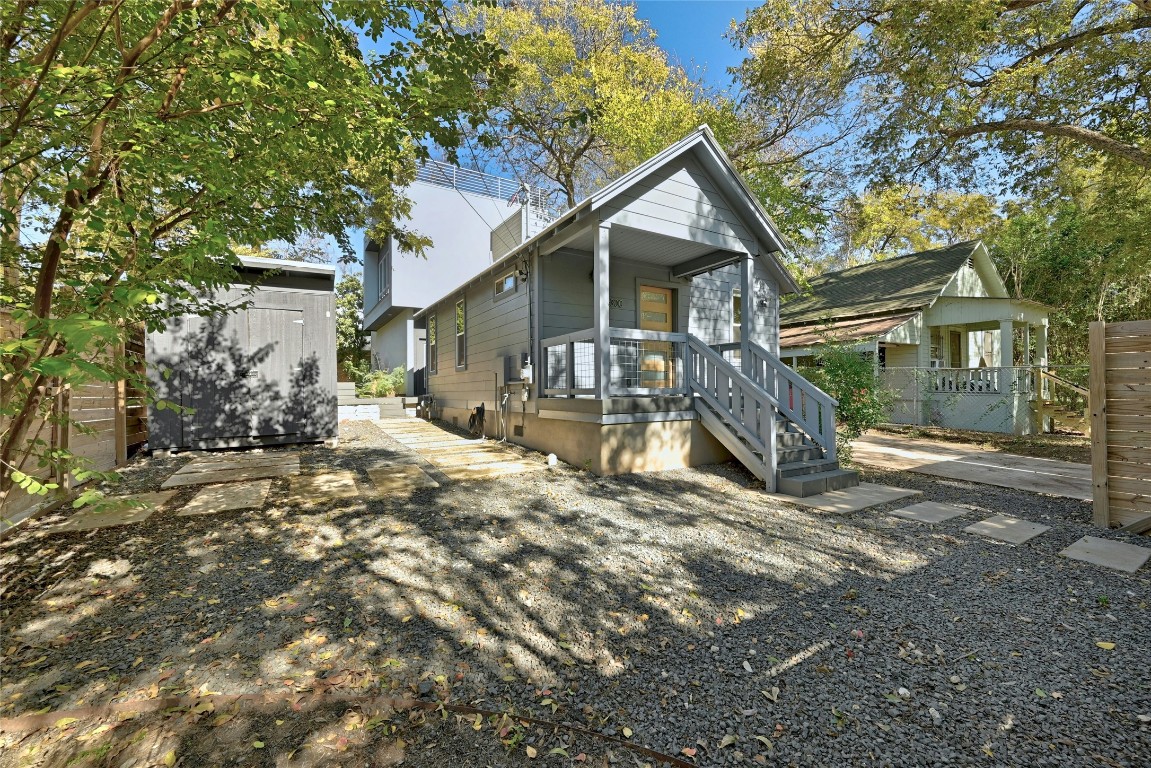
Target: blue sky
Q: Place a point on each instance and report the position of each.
(692, 32)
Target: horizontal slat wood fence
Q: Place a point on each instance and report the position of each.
(1120, 387)
(107, 421)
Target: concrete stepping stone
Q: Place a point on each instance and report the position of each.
(121, 511)
(1110, 554)
(400, 479)
(488, 471)
(329, 485)
(1008, 529)
(465, 458)
(211, 470)
(848, 499)
(227, 498)
(929, 512)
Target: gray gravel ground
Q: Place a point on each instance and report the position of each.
(680, 610)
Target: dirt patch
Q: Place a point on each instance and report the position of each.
(1065, 446)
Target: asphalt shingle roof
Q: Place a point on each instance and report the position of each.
(904, 283)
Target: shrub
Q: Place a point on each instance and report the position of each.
(382, 383)
(850, 378)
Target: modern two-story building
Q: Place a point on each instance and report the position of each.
(471, 218)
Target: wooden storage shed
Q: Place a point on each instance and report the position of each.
(264, 374)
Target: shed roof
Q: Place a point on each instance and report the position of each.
(905, 283)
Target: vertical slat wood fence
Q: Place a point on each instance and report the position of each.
(1120, 387)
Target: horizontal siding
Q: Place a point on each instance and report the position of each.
(507, 235)
(567, 294)
(494, 329)
(681, 196)
(711, 293)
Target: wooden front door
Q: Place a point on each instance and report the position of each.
(656, 359)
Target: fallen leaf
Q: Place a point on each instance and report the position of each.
(689, 751)
(765, 741)
(627, 733)
(728, 740)
(530, 750)
(581, 757)
(1041, 693)
(257, 745)
(309, 619)
(558, 751)
(170, 758)
(1106, 646)
(479, 722)
(64, 722)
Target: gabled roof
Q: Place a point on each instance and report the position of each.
(706, 149)
(903, 284)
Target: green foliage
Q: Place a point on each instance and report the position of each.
(142, 139)
(1083, 251)
(850, 378)
(350, 334)
(901, 218)
(592, 95)
(382, 383)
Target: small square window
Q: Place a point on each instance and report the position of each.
(506, 284)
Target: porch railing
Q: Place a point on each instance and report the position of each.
(744, 406)
(642, 363)
(967, 381)
(569, 364)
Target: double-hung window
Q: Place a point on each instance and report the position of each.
(736, 317)
(461, 335)
(433, 347)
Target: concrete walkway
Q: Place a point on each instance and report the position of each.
(958, 462)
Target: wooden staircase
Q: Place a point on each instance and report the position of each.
(778, 424)
(1073, 419)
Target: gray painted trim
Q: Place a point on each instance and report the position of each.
(705, 263)
(601, 314)
(608, 419)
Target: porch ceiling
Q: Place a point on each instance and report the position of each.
(646, 247)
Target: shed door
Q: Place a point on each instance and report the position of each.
(276, 346)
(214, 375)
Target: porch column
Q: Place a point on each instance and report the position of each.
(1006, 343)
(749, 306)
(1041, 344)
(601, 306)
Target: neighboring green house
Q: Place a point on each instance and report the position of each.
(935, 322)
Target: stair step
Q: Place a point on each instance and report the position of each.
(791, 439)
(794, 468)
(788, 455)
(783, 426)
(820, 482)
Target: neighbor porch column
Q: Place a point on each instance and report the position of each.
(601, 311)
(749, 305)
(1006, 344)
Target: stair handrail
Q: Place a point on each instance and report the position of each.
(743, 386)
(1064, 383)
(767, 369)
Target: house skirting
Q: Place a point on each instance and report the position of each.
(648, 441)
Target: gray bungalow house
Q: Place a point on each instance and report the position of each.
(946, 338)
(639, 331)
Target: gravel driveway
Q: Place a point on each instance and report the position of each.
(681, 611)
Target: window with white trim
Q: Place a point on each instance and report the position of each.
(506, 285)
(736, 317)
(461, 335)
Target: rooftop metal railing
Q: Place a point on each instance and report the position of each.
(477, 183)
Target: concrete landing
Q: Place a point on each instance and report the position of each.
(1007, 529)
(121, 511)
(1006, 470)
(1110, 554)
(849, 499)
(456, 457)
(227, 498)
(930, 512)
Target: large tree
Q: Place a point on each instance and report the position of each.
(932, 86)
(591, 94)
(139, 139)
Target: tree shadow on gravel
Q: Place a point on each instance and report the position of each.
(594, 601)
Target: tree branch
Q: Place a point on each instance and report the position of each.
(1093, 139)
